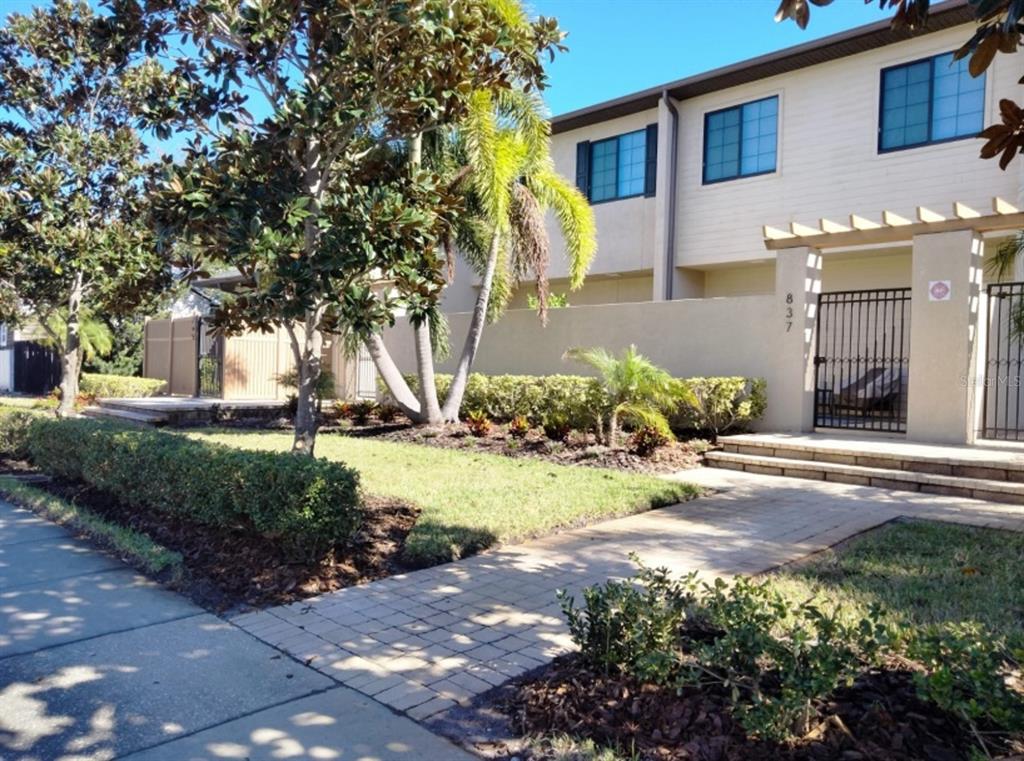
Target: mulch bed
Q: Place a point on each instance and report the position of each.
(580, 449)
(879, 717)
(229, 568)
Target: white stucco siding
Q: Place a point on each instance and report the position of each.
(828, 164)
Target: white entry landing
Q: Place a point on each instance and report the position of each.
(991, 471)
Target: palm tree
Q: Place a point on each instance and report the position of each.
(635, 390)
(499, 159)
(95, 336)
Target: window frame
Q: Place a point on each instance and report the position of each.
(590, 168)
(739, 107)
(931, 104)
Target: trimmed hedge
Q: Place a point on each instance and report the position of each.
(14, 424)
(305, 503)
(119, 386)
(721, 403)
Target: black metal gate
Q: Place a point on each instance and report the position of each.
(36, 368)
(1001, 401)
(862, 359)
(211, 361)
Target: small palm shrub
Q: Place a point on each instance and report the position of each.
(387, 413)
(362, 411)
(776, 658)
(635, 390)
(518, 427)
(645, 440)
(478, 423)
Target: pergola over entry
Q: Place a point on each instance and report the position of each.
(943, 399)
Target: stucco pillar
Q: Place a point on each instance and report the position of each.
(791, 387)
(945, 371)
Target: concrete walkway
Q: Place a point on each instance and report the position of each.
(98, 663)
(426, 640)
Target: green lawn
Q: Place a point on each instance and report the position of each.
(471, 501)
(922, 573)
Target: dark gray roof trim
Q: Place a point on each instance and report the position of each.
(853, 41)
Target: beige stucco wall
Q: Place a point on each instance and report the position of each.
(596, 290)
(729, 336)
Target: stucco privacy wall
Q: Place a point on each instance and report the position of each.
(673, 334)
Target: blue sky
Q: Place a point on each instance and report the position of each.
(619, 46)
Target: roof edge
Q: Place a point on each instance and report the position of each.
(833, 47)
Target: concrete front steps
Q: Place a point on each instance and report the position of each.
(134, 417)
(994, 474)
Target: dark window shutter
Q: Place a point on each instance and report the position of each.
(651, 170)
(583, 167)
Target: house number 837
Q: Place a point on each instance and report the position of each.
(789, 312)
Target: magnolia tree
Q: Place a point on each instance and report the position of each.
(304, 172)
(498, 160)
(73, 234)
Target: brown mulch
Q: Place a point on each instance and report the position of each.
(228, 568)
(580, 449)
(879, 717)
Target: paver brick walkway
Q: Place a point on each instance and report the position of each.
(422, 641)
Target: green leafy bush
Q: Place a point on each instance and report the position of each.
(716, 405)
(362, 410)
(119, 386)
(711, 405)
(14, 432)
(776, 659)
(304, 503)
(535, 397)
(969, 672)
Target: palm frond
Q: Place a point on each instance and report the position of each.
(95, 337)
(530, 244)
(1006, 256)
(597, 357)
(648, 415)
(575, 219)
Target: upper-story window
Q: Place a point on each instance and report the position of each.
(623, 166)
(741, 141)
(930, 101)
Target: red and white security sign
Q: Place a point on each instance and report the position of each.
(939, 290)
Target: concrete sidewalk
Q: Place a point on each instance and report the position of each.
(96, 662)
(427, 640)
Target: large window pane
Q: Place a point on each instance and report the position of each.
(632, 163)
(928, 101)
(618, 166)
(741, 141)
(602, 167)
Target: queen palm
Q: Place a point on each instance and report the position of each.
(499, 158)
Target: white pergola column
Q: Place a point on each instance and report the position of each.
(797, 286)
(945, 338)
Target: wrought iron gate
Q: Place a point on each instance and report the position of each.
(1001, 401)
(862, 359)
(211, 361)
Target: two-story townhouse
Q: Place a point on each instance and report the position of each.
(855, 147)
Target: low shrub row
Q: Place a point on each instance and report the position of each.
(778, 659)
(304, 503)
(119, 386)
(713, 405)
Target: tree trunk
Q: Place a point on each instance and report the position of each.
(389, 373)
(613, 428)
(308, 369)
(430, 409)
(453, 403)
(71, 354)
